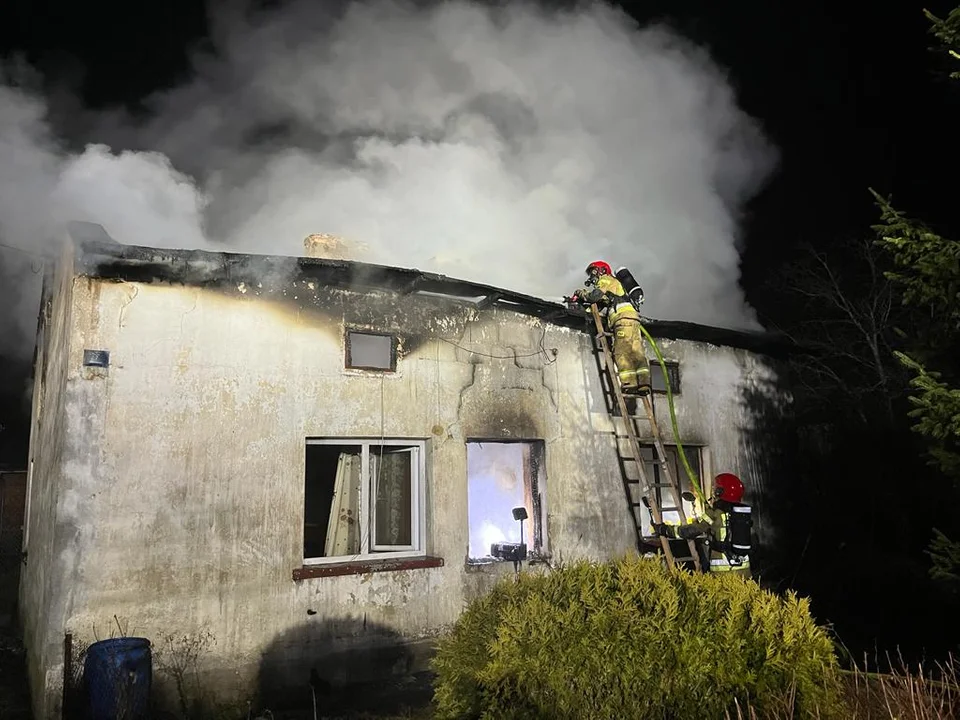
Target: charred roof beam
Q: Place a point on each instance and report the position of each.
(99, 258)
(410, 286)
(489, 300)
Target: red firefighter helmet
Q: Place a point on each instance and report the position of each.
(727, 486)
(601, 267)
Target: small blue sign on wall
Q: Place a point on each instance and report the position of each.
(96, 358)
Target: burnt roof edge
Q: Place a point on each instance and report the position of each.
(114, 260)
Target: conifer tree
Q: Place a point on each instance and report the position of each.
(927, 273)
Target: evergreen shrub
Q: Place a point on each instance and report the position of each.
(630, 639)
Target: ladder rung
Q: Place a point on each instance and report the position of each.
(630, 458)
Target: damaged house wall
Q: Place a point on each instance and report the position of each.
(43, 591)
(168, 484)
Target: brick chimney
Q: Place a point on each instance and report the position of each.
(332, 247)
(325, 245)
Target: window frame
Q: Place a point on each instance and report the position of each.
(702, 467)
(536, 536)
(368, 551)
(348, 355)
(377, 548)
(673, 375)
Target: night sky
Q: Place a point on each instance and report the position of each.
(852, 99)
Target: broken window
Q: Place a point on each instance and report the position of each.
(370, 351)
(675, 467)
(362, 499)
(502, 476)
(657, 377)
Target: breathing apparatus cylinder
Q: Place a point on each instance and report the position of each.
(631, 286)
(740, 518)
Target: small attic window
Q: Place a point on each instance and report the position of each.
(371, 351)
(657, 377)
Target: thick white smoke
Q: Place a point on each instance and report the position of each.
(507, 146)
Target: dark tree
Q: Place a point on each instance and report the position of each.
(926, 275)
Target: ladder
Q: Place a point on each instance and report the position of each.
(649, 497)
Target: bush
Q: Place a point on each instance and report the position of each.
(629, 639)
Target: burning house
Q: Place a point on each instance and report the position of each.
(300, 459)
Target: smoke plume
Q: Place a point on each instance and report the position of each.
(510, 146)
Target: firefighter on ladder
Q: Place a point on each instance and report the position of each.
(726, 527)
(623, 321)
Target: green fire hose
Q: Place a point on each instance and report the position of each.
(694, 480)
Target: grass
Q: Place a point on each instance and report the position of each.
(902, 694)
(920, 694)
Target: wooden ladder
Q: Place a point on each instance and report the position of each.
(649, 497)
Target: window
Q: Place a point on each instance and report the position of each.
(677, 472)
(502, 476)
(363, 500)
(370, 351)
(656, 376)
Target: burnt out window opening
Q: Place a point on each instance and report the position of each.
(677, 471)
(362, 500)
(367, 350)
(656, 376)
(501, 476)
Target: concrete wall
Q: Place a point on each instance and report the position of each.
(44, 581)
(176, 475)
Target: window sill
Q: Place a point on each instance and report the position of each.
(494, 566)
(363, 567)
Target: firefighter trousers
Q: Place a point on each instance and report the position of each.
(630, 356)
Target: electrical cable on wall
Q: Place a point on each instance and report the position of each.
(35, 271)
(541, 352)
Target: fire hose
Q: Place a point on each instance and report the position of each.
(694, 480)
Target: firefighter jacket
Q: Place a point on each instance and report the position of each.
(725, 555)
(609, 292)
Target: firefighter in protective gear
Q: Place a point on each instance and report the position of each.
(726, 527)
(623, 321)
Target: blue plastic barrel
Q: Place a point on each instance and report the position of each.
(118, 674)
